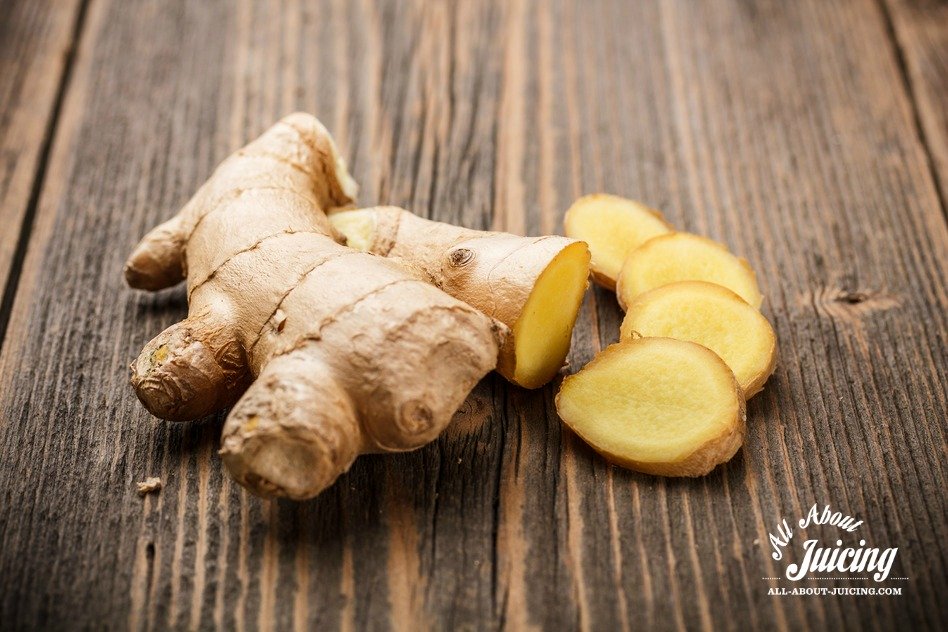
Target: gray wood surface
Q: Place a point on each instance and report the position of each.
(36, 42)
(920, 31)
(805, 135)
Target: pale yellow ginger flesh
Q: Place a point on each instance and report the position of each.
(324, 353)
(356, 226)
(711, 316)
(656, 405)
(685, 257)
(533, 285)
(544, 329)
(613, 227)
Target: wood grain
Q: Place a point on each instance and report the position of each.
(920, 30)
(35, 55)
(786, 130)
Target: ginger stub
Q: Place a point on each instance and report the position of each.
(714, 317)
(325, 353)
(685, 257)
(658, 406)
(613, 227)
(533, 285)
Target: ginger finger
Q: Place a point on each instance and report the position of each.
(533, 285)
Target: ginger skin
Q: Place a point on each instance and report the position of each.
(533, 285)
(327, 353)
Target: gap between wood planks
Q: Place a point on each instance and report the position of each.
(49, 135)
(913, 96)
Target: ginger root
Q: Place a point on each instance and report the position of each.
(347, 353)
(656, 405)
(685, 257)
(613, 227)
(714, 317)
(533, 285)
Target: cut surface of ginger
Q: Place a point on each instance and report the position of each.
(358, 226)
(685, 257)
(613, 227)
(656, 405)
(714, 317)
(544, 330)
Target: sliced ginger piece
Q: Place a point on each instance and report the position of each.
(685, 257)
(656, 405)
(711, 316)
(613, 227)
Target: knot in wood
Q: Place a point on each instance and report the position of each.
(852, 298)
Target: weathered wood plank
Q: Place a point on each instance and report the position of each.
(780, 128)
(35, 43)
(921, 32)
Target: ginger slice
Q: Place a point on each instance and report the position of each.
(714, 317)
(685, 257)
(656, 405)
(613, 227)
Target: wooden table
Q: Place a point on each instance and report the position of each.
(810, 136)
